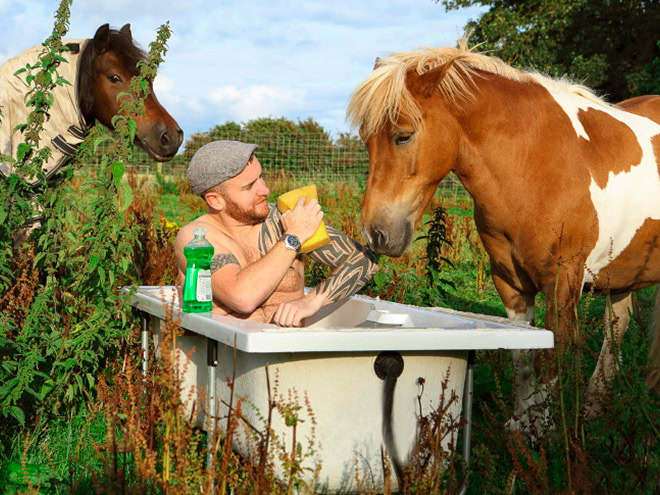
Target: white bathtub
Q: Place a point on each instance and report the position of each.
(333, 361)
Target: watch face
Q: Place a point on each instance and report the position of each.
(292, 242)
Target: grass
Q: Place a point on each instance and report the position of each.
(616, 452)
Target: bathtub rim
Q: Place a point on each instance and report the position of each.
(251, 337)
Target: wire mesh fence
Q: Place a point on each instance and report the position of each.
(306, 157)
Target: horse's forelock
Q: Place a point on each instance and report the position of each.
(384, 95)
(124, 46)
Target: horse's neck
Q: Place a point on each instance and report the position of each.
(502, 132)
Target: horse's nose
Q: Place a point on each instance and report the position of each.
(378, 237)
(170, 141)
(165, 139)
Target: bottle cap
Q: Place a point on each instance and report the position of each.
(200, 231)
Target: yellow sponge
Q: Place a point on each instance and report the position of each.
(287, 201)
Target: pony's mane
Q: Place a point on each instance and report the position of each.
(123, 46)
(383, 94)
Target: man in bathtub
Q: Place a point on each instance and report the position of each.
(257, 272)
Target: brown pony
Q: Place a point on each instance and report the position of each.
(98, 69)
(566, 187)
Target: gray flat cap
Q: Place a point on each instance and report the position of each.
(216, 162)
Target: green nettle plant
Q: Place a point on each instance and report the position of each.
(62, 317)
(436, 239)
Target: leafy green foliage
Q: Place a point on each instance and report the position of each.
(647, 82)
(607, 45)
(57, 338)
(436, 239)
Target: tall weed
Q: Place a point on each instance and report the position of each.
(62, 336)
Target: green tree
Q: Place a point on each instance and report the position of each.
(610, 45)
(648, 81)
(283, 143)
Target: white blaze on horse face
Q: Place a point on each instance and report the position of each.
(629, 198)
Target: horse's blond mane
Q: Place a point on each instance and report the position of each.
(383, 94)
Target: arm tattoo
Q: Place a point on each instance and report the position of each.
(354, 265)
(271, 231)
(222, 259)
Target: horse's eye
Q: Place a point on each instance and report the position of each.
(114, 78)
(403, 138)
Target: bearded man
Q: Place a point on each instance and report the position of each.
(257, 271)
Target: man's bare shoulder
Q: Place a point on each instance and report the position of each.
(186, 233)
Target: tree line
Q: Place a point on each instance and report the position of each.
(611, 46)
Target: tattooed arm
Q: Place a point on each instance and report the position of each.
(354, 265)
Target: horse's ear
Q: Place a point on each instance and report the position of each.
(126, 31)
(102, 38)
(428, 82)
(377, 63)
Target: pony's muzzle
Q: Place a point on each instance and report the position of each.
(171, 139)
(391, 240)
(165, 140)
(168, 139)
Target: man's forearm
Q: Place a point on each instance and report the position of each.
(349, 278)
(354, 264)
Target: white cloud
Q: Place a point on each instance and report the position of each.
(164, 89)
(243, 104)
(242, 59)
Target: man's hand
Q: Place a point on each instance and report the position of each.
(303, 220)
(291, 314)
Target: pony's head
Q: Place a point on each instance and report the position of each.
(108, 63)
(405, 110)
(401, 111)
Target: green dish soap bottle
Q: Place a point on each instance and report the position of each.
(197, 295)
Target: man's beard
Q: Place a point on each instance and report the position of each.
(250, 217)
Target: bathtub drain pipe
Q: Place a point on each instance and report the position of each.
(144, 320)
(212, 363)
(388, 367)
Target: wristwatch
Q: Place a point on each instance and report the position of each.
(291, 242)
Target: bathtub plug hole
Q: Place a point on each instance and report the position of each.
(388, 364)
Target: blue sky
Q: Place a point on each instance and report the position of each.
(239, 60)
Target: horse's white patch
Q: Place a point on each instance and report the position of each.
(629, 198)
(571, 104)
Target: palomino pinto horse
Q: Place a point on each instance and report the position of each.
(566, 187)
(98, 69)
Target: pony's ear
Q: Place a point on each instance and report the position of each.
(428, 82)
(377, 63)
(126, 31)
(102, 38)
